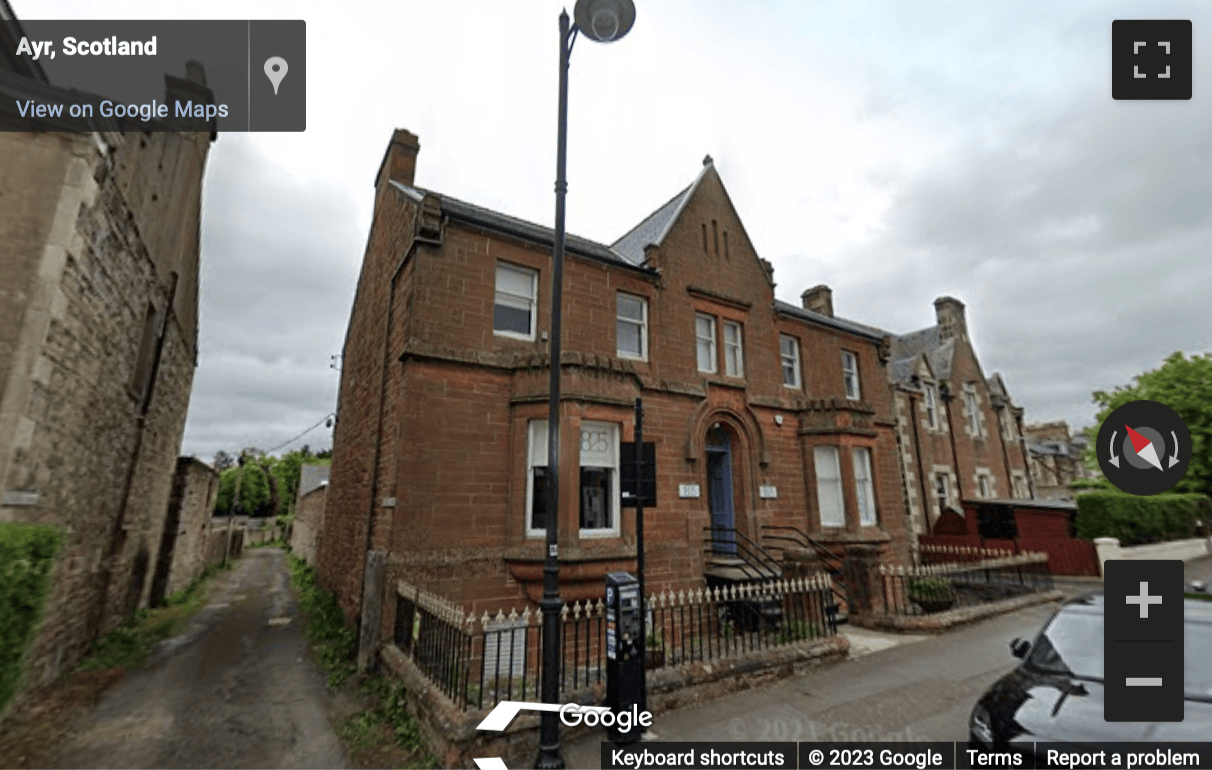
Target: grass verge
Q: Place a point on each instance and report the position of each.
(384, 733)
(381, 732)
(130, 645)
(33, 732)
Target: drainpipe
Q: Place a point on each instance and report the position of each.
(921, 471)
(116, 538)
(418, 237)
(1005, 451)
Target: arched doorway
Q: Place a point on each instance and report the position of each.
(719, 490)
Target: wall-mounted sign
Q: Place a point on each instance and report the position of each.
(627, 477)
(688, 490)
(13, 497)
(768, 492)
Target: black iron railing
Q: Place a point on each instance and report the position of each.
(939, 587)
(780, 538)
(480, 661)
(755, 562)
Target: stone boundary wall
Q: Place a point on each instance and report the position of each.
(944, 620)
(1191, 548)
(309, 518)
(453, 731)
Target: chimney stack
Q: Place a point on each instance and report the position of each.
(818, 299)
(400, 161)
(950, 312)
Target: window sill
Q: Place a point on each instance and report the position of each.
(864, 535)
(727, 382)
(512, 336)
(536, 552)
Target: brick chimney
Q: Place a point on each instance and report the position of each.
(400, 160)
(951, 322)
(818, 299)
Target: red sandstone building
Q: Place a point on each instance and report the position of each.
(763, 413)
(961, 435)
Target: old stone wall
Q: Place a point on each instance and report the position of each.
(96, 379)
(309, 520)
(194, 490)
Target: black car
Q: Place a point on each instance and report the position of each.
(1056, 693)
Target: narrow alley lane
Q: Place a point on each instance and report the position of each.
(235, 689)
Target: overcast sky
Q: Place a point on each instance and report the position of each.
(896, 150)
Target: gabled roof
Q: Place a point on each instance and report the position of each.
(905, 369)
(479, 216)
(928, 342)
(654, 227)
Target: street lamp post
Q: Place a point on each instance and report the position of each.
(603, 21)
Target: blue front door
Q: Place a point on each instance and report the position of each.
(719, 491)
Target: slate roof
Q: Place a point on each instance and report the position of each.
(907, 347)
(1056, 448)
(519, 228)
(313, 477)
(652, 229)
(840, 324)
(656, 225)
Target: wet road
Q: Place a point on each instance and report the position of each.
(235, 690)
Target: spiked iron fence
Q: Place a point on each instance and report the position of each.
(958, 554)
(938, 587)
(479, 661)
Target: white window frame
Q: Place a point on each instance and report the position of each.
(790, 362)
(942, 496)
(598, 457)
(831, 516)
(642, 324)
(591, 457)
(699, 340)
(536, 456)
(931, 406)
(864, 487)
(734, 352)
(984, 485)
(850, 376)
(974, 420)
(532, 300)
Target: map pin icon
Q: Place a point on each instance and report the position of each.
(275, 70)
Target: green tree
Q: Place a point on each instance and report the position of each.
(255, 499)
(288, 470)
(1185, 385)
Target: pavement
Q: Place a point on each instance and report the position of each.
(910, 687)
(235, 689)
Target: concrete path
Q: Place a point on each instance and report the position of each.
(893, 687)
(235, 690)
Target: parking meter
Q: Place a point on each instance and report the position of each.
(624, 651)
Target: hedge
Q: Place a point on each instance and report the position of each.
(27, 558)
(1136, 520)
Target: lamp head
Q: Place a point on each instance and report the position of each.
(604, 20)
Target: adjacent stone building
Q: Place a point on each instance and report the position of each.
(960, 434)
(99, 252)
(309, 511)
(1056, 459)
(185, 541)
(762, 413)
